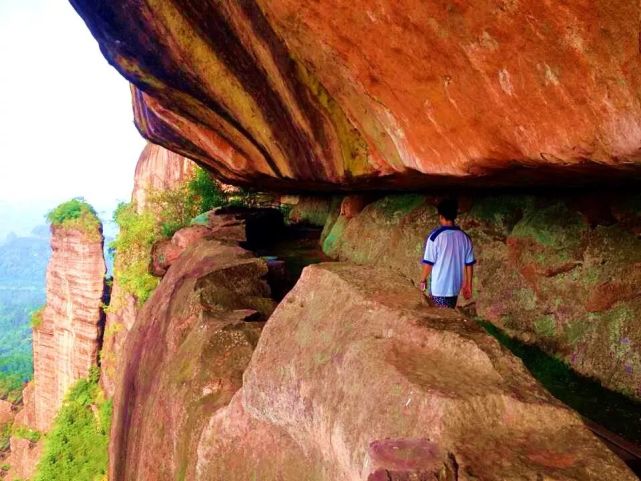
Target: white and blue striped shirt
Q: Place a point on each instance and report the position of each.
(448, 249)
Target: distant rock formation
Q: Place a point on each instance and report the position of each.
(67, 341)
(23, 453)
(158, 169)
(354, 94)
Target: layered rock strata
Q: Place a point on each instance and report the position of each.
(158, 169)
(561, 272)
(67, 342)
(352, 378)
(393, 94)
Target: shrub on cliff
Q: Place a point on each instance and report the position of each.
(36, 317)
(76, 446)
(207, 192)
(173, 208)
(78, 215)
(166, 211)
(137, 235)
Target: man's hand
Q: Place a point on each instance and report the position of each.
(427, 270)
(467, 281)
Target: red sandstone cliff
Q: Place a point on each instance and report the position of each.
(67, 341)
(393, 93)
(157, 169)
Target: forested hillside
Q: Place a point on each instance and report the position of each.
(23, 263)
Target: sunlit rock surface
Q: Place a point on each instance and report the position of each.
(157, 170)
(394, 93)
(184, 359)
(353, 378)
(66, 343)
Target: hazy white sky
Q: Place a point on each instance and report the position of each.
(66, 123)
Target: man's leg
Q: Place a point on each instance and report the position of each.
(444, 301)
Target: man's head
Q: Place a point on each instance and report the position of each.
(447, 211)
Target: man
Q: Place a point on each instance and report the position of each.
(449, 258)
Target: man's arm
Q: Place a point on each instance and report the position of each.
(427, 270)
(467, 281)
(429, 258)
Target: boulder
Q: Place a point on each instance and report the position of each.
(354, 378)
(549, 271)
(184, 358)
(308, 210)
(163, 254)
(253, 227)
(352, 205)
(187, 236)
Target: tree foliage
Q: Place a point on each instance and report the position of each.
(76, 446)
(165, 212)
(138, 232)
(76, 214)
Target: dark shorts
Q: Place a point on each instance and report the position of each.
(444, 301)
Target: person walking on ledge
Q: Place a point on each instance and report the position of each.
(448, 259)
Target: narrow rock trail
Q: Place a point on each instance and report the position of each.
(352, 378)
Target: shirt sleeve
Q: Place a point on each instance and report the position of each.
(429, 257)
(469, 254)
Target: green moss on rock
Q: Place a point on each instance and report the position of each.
(553, 226)
(399, 205)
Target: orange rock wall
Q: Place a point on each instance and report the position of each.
(355, 94)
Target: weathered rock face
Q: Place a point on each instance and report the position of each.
(121, 316)
(560, 272)
(352, 94)
(308, 210)
(158, 169)
(234, 224)
(352, 378)
(184, 359)
(24, 454)
(67, 342)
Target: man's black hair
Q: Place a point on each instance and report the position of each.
(448, 208)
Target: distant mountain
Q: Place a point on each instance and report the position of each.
(21, 218)
(23, 260)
